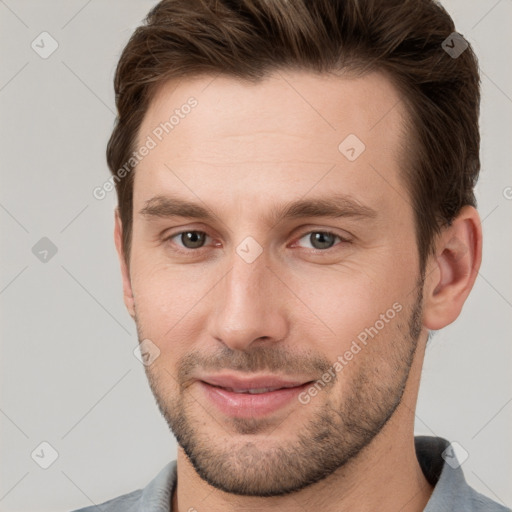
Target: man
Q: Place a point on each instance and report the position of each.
(296, 214)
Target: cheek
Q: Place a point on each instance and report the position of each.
(167, 299)
(359, 301)
(337, 311)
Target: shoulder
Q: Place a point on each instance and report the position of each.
(155, 497)
(477, 502)
(125, 503)
(439, 462)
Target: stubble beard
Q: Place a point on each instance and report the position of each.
(332, 437)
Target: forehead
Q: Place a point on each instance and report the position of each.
(291, 132)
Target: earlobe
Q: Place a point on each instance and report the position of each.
(125, 272)
(453, 271)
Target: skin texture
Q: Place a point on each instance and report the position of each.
(246, 151)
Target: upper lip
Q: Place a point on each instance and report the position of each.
(253, 382)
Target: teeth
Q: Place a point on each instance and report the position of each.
(252, 391)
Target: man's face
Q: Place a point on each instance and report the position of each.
(261, 294)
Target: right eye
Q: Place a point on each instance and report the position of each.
(188, 240)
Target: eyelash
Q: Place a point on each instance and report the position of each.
(183, 250)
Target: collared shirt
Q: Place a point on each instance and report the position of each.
(451, 491)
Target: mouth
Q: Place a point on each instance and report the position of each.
(252, 391)
(254, 397)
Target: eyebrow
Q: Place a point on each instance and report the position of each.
(334, 206)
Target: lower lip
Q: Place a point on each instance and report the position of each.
(246, 405)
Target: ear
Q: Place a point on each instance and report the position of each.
(451, 273)
(125, 272)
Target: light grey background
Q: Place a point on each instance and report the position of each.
(68, 373)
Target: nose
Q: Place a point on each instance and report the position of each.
(249, 305)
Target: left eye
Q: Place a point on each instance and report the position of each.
(321, 239)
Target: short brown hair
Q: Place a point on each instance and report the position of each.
(249, 39)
